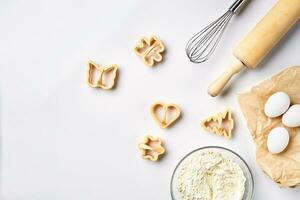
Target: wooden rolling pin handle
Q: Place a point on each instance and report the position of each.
(217, 86)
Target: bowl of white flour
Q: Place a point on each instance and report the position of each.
(212, 173)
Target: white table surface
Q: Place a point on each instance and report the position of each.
(61, 139)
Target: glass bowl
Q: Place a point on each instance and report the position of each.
(249, 184)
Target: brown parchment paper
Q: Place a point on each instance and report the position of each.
(283, 168)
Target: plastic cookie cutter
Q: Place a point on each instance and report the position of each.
(221, 123)
(97, 77)
(150, 50)
(170, 112)
(151, 148)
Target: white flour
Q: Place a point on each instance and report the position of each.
(210, 175)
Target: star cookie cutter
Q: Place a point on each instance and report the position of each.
(221, 123)
(151, 148)
(150, 50)
(166, 119)
(92, 68)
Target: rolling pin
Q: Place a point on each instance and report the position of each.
(259, 41)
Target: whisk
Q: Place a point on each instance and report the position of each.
(200, 47)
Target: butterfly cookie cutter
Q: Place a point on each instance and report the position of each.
(151, 148)
(93, 69)
(165, 121)
(150, 50)
(221, 123)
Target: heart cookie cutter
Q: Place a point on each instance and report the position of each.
(150, 50)
(151, 148)
(164, 121)
(221, 123)
(92, 68)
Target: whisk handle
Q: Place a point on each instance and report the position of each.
(217, 86)
(236, 5)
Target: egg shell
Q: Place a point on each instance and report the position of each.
(278, 139)
(292, 117)
(277, 104)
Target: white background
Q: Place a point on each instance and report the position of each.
(61, 139)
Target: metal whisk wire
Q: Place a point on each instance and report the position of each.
(200, 47)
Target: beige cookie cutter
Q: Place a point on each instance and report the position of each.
(221, 123)
(150, 50)
(151, 148)
(92, 68)
(164, 121)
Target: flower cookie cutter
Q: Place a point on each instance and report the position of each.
(151, 148)
(165, 120)
(221, 123)
(150, 50)
(92, 68)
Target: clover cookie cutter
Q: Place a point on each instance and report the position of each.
(92, 68)
(165, 121)
(150, 50)
(221, 123)
(151, 148)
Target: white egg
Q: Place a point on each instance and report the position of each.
(277, 104)
(292, 117)
(278, 139)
